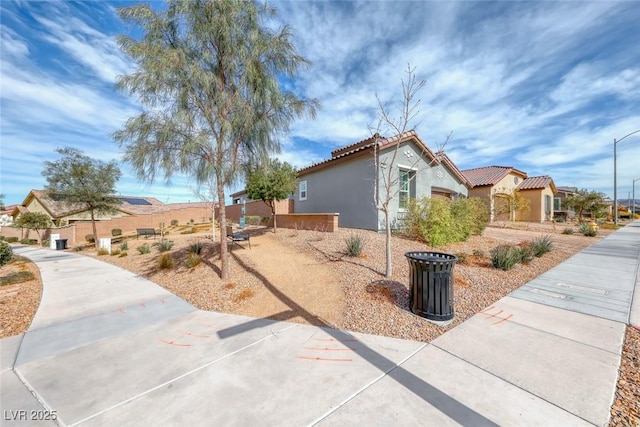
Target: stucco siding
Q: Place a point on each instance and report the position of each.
(345, 188)
(425, 178)
(536, 212)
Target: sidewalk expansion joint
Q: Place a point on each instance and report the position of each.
(509, 382)
(179, 377)
(366, 386)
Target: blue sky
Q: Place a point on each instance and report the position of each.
(544, 87)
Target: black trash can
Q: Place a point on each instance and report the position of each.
(61, 244)
(431, 282)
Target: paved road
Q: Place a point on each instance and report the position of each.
(108, 347)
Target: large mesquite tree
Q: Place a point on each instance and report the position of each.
(209, 79)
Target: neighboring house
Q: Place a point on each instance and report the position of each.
(63, 214)
(539, 190)
(497, 184)
(239, 197)
(559, 210)
(6, 219)
(351, 182)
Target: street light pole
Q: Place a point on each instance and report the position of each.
(633, 209)
(615, 178)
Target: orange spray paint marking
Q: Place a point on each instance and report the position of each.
(504, 319)
(174, 343)
(121, 310)
(161, 300)
(333, 339)
(193, 335)
(486, 309)
(142, 305)
(323, 359)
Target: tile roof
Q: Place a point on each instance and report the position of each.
(368, 145)
(489, 175)
(536, 183)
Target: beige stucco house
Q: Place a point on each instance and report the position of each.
(63, 214)
(499, 184)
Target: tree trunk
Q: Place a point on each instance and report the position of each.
(387, 224)
(273, 213)
(95, 231)
(224, 253)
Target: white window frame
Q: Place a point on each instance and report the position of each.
(408, 172)
(302, 193)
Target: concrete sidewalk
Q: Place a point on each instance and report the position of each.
(108, 347)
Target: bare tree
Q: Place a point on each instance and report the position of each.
(387, 183)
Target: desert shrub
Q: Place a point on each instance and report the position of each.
(165, 245)
(567, 230)
(196, 248)
(103, 251)
(165, 261)
(124, 246)
(470, 217)
(122, 254)
(541, 245)
(505, 257)
(115, 232)
(115, 252)
(193, 259)
(45, 243)
(265, 220)
(17, 277)
(355, 244)
(252, 220)
(174, 222)
(525, 253)
(5, 253)
(584, 229)
(28, 241)
(144, 249)
(604, 226)
(89, 238)
(560, 219)
(478, 253)
(463, 257)
(11, 239)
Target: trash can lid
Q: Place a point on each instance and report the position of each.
(431, 256)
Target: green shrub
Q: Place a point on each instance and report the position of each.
(144, 249)
(115, 252)
(5, 253)
(196, 248)
(525, 253)
(103, 251)
(122, 254)
(567, 230)
(28, 241)
(478, 253)
(441, 221)
(541, 245)
(11, 239)
(124, 246)
(165, 245)
(115, 232)
(174, 222)
(89, 238)
(193, 259)
(165, 261)
(355, 244)
(252, 220)
(45, 243)
(505, 257)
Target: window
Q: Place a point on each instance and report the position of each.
(406, 188)
(303, 190)
(557, 203)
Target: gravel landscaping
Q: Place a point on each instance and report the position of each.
(363, 300)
